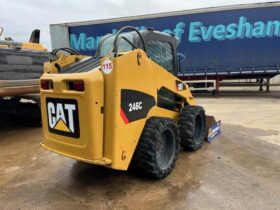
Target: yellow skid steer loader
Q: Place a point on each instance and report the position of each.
(123, 106)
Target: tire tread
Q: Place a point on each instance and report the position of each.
(145, 154)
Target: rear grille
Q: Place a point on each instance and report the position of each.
(84, 65)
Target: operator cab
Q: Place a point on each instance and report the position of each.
(160, 47)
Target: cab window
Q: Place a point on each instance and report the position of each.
(161, 53)
(108, 44)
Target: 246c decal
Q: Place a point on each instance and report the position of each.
(63, 117)
(135, 105)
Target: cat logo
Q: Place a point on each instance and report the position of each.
(63, 117)
(180, 86)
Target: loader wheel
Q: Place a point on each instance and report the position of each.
(192, 125)
(158, 147)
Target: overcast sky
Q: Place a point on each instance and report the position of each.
(20, 17)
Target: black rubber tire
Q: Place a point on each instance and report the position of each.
(192, 126)
(158, 147)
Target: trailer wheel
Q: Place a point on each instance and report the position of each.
(158, 147)
(192, 126)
